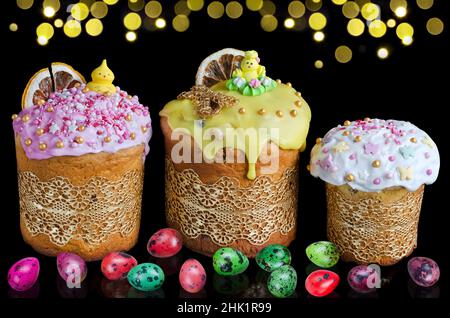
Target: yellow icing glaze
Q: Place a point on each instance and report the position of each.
(102, 80)
(278, 105)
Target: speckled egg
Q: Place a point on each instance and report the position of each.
(423, 271)
(228, 261)
(116, 265)
(192, 276)
(323, 254)
(146, 277)
(165, 243)
(321, 282)
(23, 274)
(71, 267)
(363, 279)
(273, 256)
(282, 281)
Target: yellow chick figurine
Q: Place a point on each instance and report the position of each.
(250, 68)
(102, 80)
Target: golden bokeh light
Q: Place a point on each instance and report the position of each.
(318, 64)
(377, 28)
(46, 30)
(195, 5)
(132, 21)
(13, 27)
(160, 23)
(130, 36)
(395, 4)
(407, 40)
(180, 23)
(435, 26)
(79, 11)
(215, 9)
(181, 8)
(296, 9)
(254, 5)
(370, 11)
(350, 9)
(268, 8)
(391, 23)
(24, 4)
(48, 12)
(404, 30)
(99, 10)
(400, 12)
(58, 23)
(110, 2)
(313, 5)
(319, 36)
(72, 28)
(425, 4)
(153, 9)
(234, 9)
(136, 5)
(54, 4)
(94, 27)
(339, 2)
(355, 27)
(269, 23)
(42, 40)
(343, 54)
(382, 53)
(289, 23)
(317, 21)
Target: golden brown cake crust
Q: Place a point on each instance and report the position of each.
(373, 227)
(211, 174)
(91, 228)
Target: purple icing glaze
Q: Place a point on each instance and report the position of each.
(81, 122)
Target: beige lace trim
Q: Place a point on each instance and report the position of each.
(91, 212)
(225, 212)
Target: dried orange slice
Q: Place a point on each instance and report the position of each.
(218, 67)
(40, 86)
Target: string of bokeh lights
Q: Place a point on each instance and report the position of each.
(363, 16)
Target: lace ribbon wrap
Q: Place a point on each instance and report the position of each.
(91, 212)
(226, 212)
(373, 227)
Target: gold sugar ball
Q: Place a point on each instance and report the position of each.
(26, 118)
(85, 89)
(133, 136)
(346, 133)
(144, 129)
(357, 139)
(81, 128)
(293, 113)
(278, 81)
(59, 144)
(107, 139)
(39, 131)
(308, 167)
(318, 141)
(128, 117)
(28, 142)
(367, 119)
(298, 103)
(49, 109)
(129, 97)
(42, 146)
(413, 139)
(289, 84)
(347, 123)
(279, 113)
(376, 163)
(262, 111)
(298, 94)
(79, 139)
(77, 84)
(14, 116)
(41, 102)
(242, 110)
(349, 177)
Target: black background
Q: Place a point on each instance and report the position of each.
(412, 85)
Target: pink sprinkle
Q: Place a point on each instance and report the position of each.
(352, 156)
(377, 181)
(325, 150)
(391, 158)
(429, 172)
(388, 175)
(427, 155)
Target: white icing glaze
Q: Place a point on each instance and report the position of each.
(406, 155)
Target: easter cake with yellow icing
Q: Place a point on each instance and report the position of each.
(80, 152)
(232, 151)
